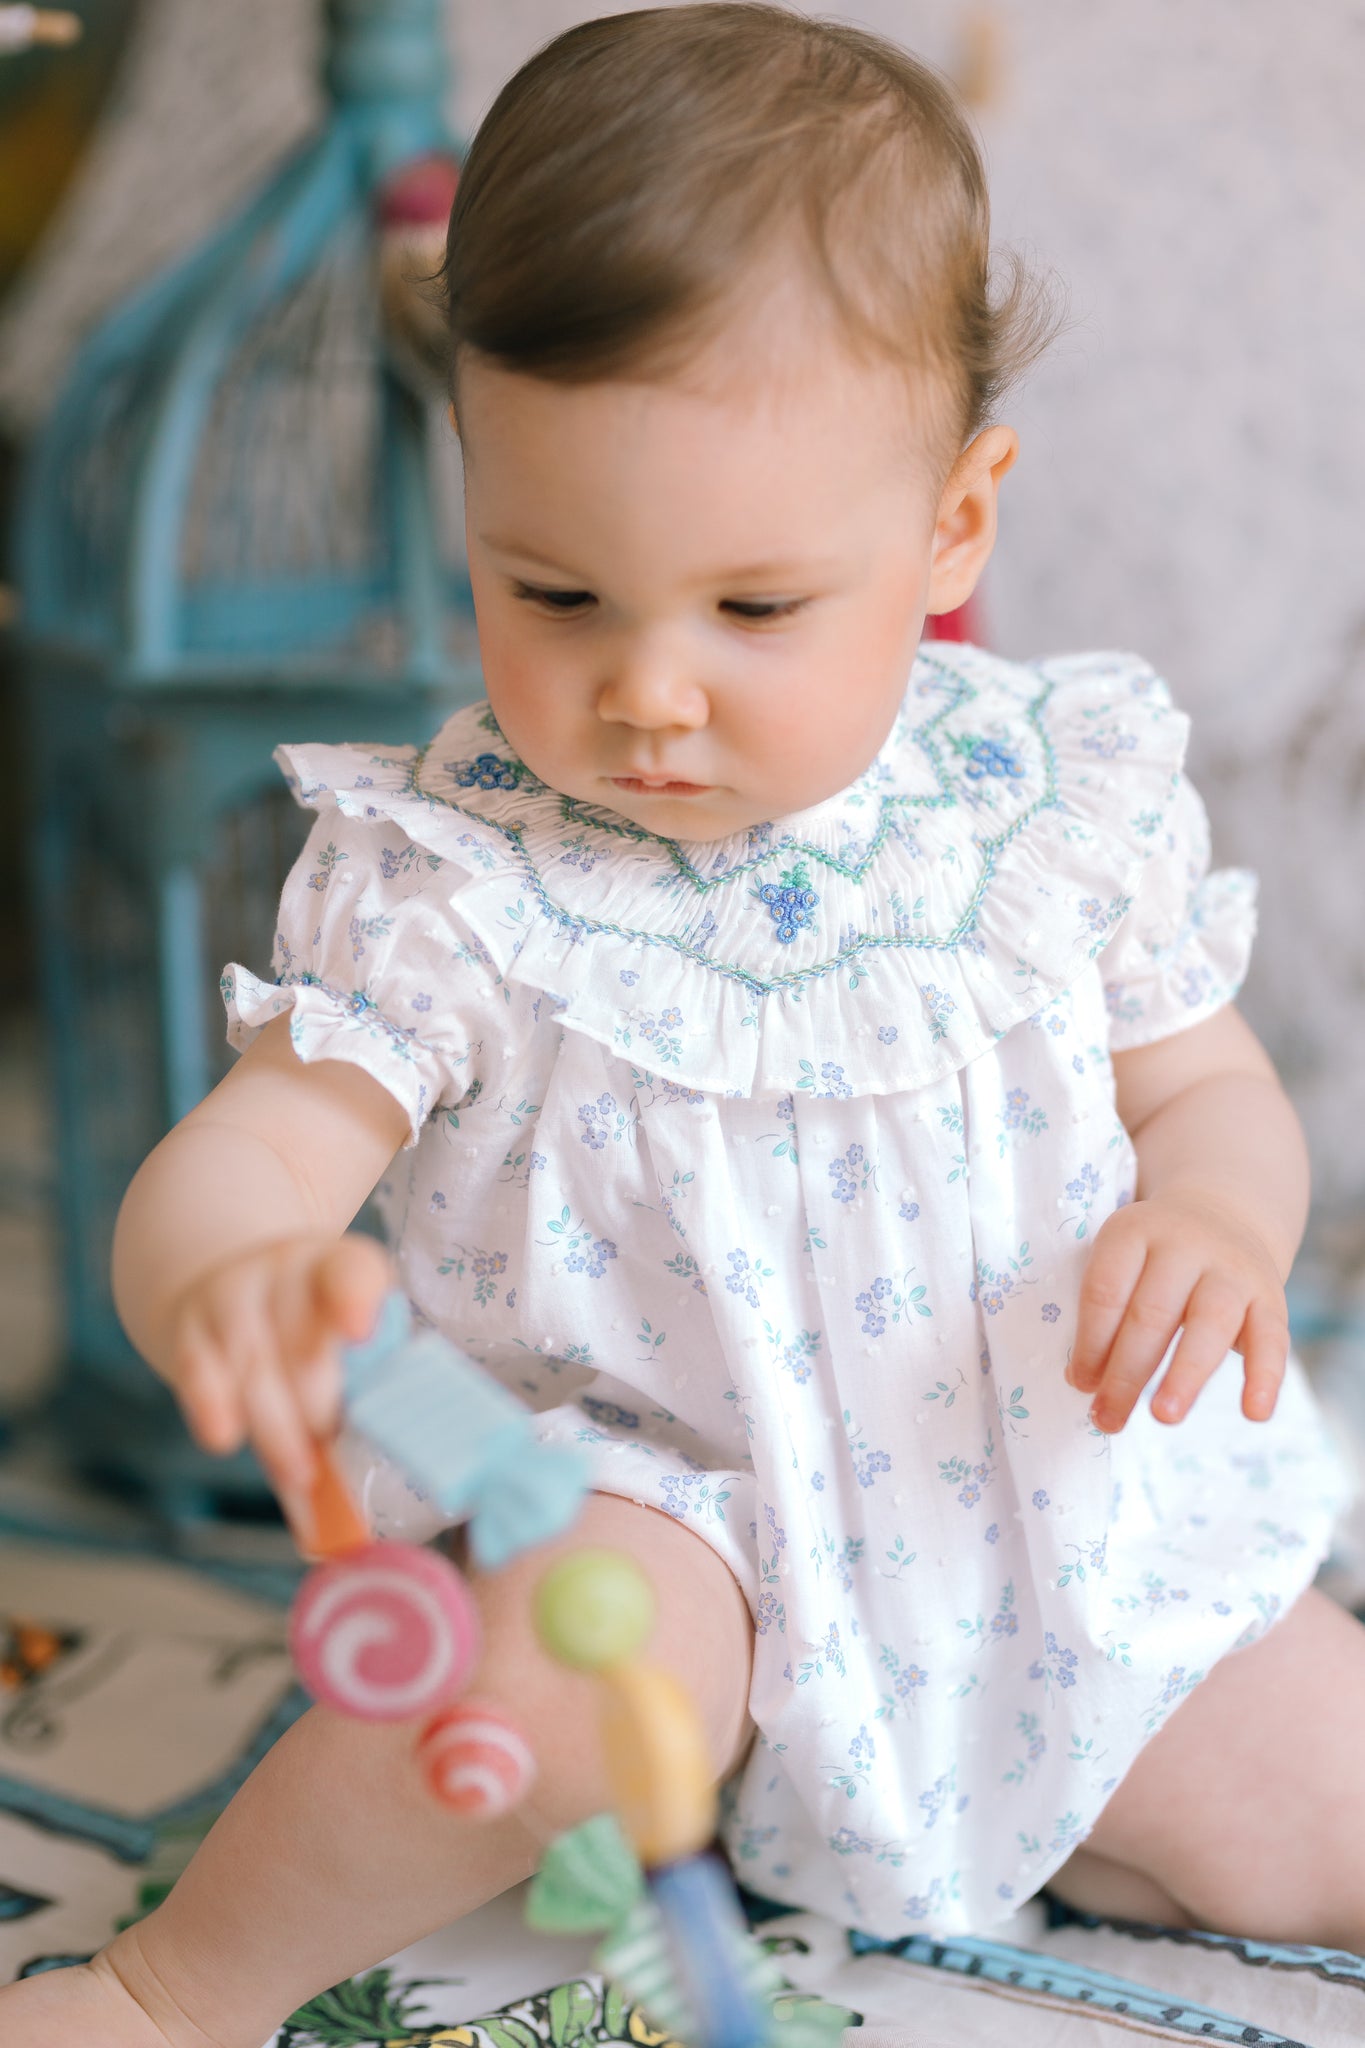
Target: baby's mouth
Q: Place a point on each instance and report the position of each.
(657, 785)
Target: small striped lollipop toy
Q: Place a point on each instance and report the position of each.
(477, 1761)
(390, 1631)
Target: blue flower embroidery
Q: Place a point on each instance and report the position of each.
(790, 902)
(485, 771)
(988, 757)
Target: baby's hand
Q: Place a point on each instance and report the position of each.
(1180, 1258)
(254, 1348)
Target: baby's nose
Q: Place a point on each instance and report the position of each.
(652, 694)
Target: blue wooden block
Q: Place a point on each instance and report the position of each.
(460, 1437)
(715, 1960)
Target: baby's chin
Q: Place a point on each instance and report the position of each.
(713, 814)
(710, 814)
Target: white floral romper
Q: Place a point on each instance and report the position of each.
(767, 1169)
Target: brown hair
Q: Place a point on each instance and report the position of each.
(639, 165)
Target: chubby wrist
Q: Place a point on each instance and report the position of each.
(1226, 1199)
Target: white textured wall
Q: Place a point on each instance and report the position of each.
(1193, 477)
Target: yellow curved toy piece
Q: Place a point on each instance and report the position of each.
(660, 1774)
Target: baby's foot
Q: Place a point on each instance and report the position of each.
(87, 2003)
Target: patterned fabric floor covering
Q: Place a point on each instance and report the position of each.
(135, 1695)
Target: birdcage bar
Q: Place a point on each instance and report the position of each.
(286, 242)
(232, 532)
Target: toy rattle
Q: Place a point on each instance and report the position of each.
(388, 1631)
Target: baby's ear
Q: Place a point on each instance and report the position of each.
(964, 529)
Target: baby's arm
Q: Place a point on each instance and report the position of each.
(1222, 1199)
(231, 1271)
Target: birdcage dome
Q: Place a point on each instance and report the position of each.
(240, 481)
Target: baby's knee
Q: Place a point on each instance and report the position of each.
(702, 1635)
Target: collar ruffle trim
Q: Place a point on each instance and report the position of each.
(871, 944)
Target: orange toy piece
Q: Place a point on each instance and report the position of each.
(336, 1524)
(661, 1777)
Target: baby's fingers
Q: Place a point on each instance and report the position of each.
(1264, 1345)
(1212, 1319)
(1151, 1320)
(349, 1285)
(1113, 1272)
(334, 1300)
(206, 1388)
(280, 1436)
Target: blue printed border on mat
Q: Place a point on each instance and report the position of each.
(132, 1841)
(1334, 1965)
(995, 1962)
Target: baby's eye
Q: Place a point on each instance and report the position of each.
(553, 600)
(762, 608)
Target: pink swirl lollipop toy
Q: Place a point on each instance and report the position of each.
(385, 1633)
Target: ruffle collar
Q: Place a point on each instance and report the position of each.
(873, 943)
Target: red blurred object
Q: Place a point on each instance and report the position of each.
(966, 623)
(420, 194)
(412, 209)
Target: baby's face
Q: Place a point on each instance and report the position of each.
(699, 599)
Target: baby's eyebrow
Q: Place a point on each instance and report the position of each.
(499, 546)
(778, 571)
(791, 570)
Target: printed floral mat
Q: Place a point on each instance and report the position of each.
(136, 1694)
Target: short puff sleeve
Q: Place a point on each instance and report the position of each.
(1181, 951)
(373, 966)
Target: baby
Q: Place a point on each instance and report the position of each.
(799, 1062)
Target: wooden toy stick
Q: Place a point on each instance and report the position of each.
(336, 1524)
(22, 28)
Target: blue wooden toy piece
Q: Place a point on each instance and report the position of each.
(675, 1943)
(460, 1437)
(719, 1970)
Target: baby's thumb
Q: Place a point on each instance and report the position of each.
(349, 1284)
(346, 1287)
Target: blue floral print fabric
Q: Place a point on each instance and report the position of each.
(766, 1170)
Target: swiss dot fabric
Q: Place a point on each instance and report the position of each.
(767, 1171)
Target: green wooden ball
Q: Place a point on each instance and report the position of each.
(594, 1609)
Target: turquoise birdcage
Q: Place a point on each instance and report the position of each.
(241, 525)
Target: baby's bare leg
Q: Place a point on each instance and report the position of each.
(1246, 1813)
(332, 1855)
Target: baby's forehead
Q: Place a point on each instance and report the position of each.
(775, 359)
(747, 402)
(781, 344)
